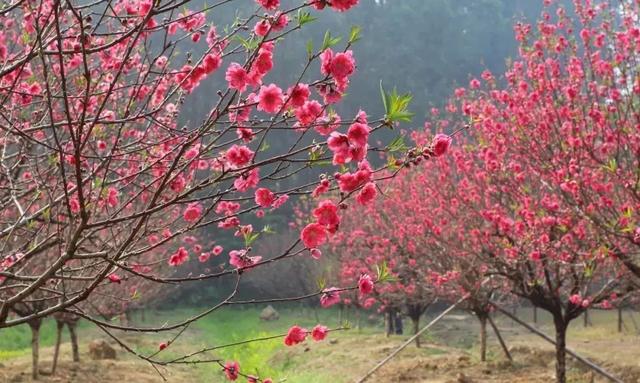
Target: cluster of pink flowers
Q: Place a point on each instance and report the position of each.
(365, 284)
(297, 334)
(330, 297)
(179, 257)
(351, 146)
(241, 260)
(193, 212)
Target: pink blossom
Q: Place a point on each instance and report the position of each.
(319, 333)
(238, 155)
(322, 188)
(280, 201)
(231, 370)
(298, 94)
(308, 112)
(74, 205)
(264, 197)
(367, 194)
(342, 5)
(211, 62)
(358, 134)
(241, 260)
(365, 284)
(237, 77)
(295, 335)
(247, 181)
(179, 257)
(217, 250)
(280, 22)
(440, 144)
(330, 297)
(114, 278)
(342, 65)
(269, 4)
(316, 253)
(313, 235)
(270, 98)
(327, 214)
(575, 299)
(262, 27)
(193, 212)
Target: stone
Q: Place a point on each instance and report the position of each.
(269, 314)
(100, 349)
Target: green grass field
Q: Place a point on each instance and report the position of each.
(264, 358)
(355, 351)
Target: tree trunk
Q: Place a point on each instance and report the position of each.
(499, 336)
(416, 327)
(56, 350)
(535, 315)
(619, 319)
(483, 336)
(74, 341)
(391, 324)
(35, 347)
(585, 318)
(561, 346)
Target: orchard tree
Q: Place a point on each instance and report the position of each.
(98, 173)
(384, 239)
(532, 172)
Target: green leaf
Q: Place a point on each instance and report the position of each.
(391, 163)
(248, 44)
(321, 283)
(310, 48)
(249, 238)
(384, 98)
(315, 156)
(396, 106)
(397, 145)
(304, 18)
(355, 34)
(329, 41)
(265, 146)
(383, 273)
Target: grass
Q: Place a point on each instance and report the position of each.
(219, 328)
(16, 341)
(235, 325)
(271, 357)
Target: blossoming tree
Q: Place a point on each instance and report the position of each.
(542, 170)
(97, 172)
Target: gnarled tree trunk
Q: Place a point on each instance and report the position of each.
(561, 347)
(391, 323)
(415, 312)
(482, 317)
(619, 319)
(56, 350)
(74, 340)
(35, 347)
